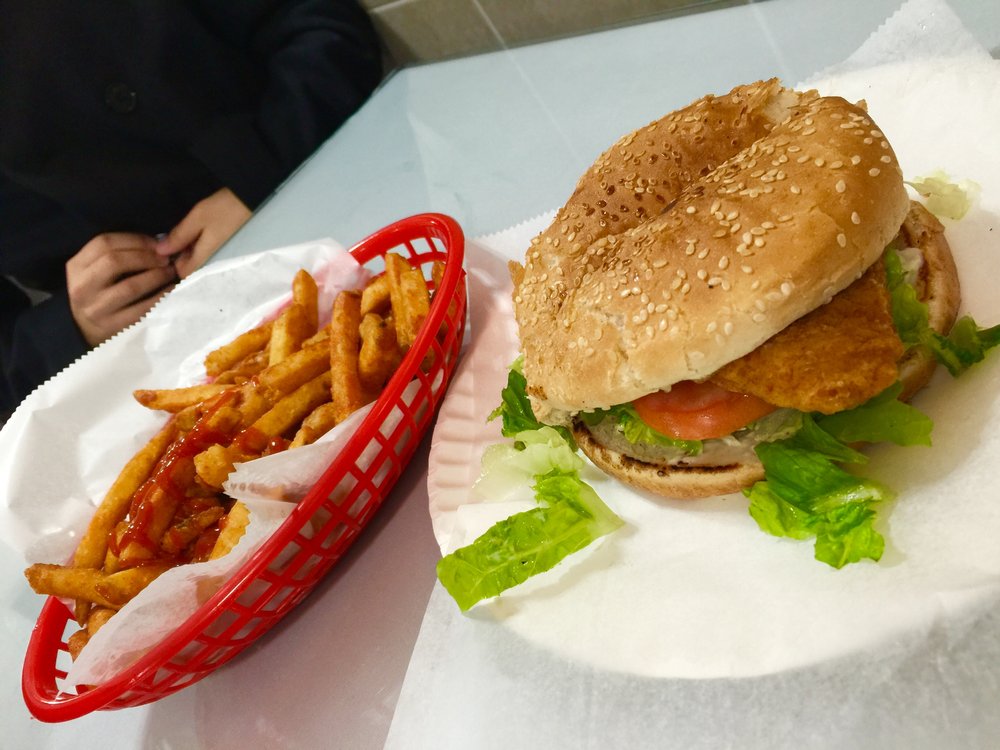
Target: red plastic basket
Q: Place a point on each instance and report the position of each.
(317, 532)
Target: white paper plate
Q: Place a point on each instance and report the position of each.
(695, 589)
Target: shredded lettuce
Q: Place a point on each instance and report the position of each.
(637, 431)
(806, 494)
(963, 347)
(945, 197)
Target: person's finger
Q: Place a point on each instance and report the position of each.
(131, 289)
(182, 236)
(126, 316)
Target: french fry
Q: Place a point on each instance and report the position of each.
(238, 349)
(76, 642)
(177, 399)
(437, 274)
(345, 345)
(283, 416)
(150, 517)
(121, 587)
(93, 546)
(233, 527)
(98, 618)
(106, 590)
(415, 305)
(409, 296)
(70, 583)
(290, 329)
(375, 296)
(243, 370)
(306, 295)
(319, 337)
(111, 561)
(321, 421)
(297, 369)
(214, 465)
(195, 515)
(379, 355)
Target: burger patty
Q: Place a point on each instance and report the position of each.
(832, 359)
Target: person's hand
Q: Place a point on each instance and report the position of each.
(113, 281)
(208, 224)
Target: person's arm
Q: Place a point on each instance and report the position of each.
(318, 60)
(35, 342)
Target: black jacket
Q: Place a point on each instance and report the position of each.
(120, 115)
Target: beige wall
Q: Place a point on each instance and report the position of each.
(418, 31)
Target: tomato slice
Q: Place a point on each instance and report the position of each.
(699, 411)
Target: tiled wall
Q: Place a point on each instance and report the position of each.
(418, 31)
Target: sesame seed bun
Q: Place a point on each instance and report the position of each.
(692, 241)
(640, 466)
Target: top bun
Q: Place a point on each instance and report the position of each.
(714, 266)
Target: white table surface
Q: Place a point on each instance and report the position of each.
(491, 140)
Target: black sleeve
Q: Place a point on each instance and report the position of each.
(319, 61)
(35, 342)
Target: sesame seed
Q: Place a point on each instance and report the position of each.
(691, 209)
(855, 160)
(746, 269)
(841, 186)
(786, 288)
(819, 162)
(886, 159)
(702, 274)
(795, 189)
(855, 219)
(728, 328)
(710, 328)
(842, 239)
(874, 171)
(724, 262)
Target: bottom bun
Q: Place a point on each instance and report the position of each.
(937, 287)
(669, 480)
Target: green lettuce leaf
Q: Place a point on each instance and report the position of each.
(963, 347)
(806, 494)
(883, 418)
(515, 408)
(637, 431)
(569, 517)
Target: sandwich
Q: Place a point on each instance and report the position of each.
(737, 296)
(719, 272)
